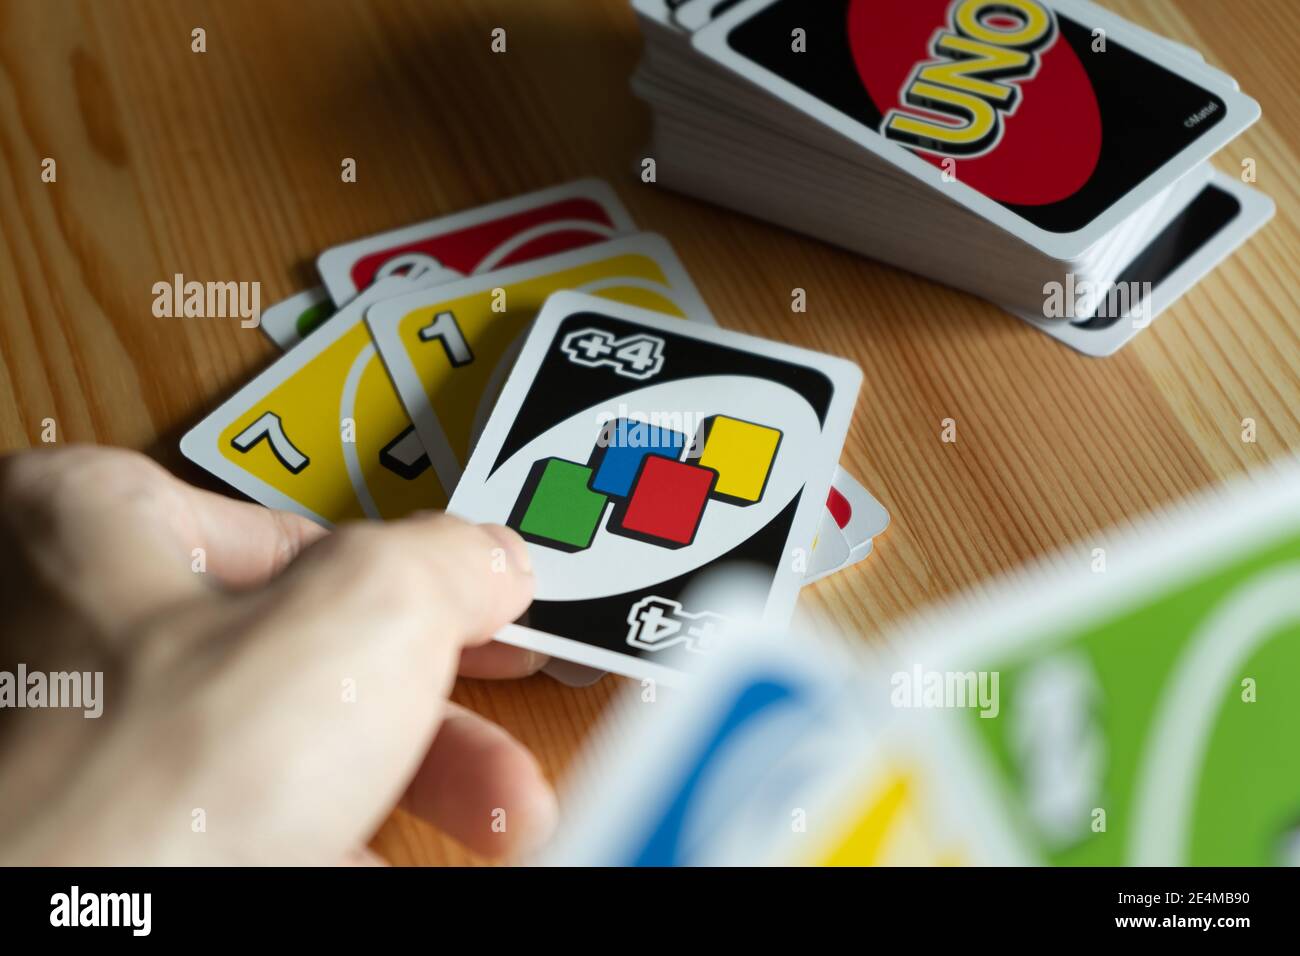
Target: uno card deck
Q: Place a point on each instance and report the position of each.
(995, 147)
(476, 241)
(449, 349)
(641, 456)
(1071, 167)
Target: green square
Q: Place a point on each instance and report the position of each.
(562, 508)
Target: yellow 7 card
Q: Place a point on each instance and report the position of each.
(321, 432)
(450, 348)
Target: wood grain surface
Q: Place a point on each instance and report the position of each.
(225, 165)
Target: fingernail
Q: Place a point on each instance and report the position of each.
(513, 545)
(541, 815)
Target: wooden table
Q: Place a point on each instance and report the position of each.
(225, 165)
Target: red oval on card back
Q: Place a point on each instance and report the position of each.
(1052, 139)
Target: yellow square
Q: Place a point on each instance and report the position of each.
(742, 454)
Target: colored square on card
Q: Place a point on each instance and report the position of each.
(666, 503)
(556, 508)
(742, 454)
(624, 444)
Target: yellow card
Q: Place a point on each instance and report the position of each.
(450, 348)
(321, 431)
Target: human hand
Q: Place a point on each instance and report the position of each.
(284, 684)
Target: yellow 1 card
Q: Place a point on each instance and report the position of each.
(450, 348)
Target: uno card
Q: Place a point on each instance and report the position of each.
(856, 513)
(449, 349)
(641, 456)
(480, 240)
(852, 519)
(286, 322)
(715, 774)
(321, 431)
(1056, 142)
(1222, 216)
(899, 801)
(831, 552)
(830, 549)
(1143, 715)
(773, 755)
(694, 14)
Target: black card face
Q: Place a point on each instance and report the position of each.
(639, 457)
(666, 481)
(1022, 103)
(1205, 217)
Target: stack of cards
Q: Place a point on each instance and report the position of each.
(1140, 715)
(1043, 154)
(391, 377)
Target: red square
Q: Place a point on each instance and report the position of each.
(666, 502)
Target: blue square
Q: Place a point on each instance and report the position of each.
(623, 444)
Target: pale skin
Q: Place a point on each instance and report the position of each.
(294, 690)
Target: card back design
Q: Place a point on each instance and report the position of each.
(1037, 129)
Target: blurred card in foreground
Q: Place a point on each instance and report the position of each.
(1127, 706)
